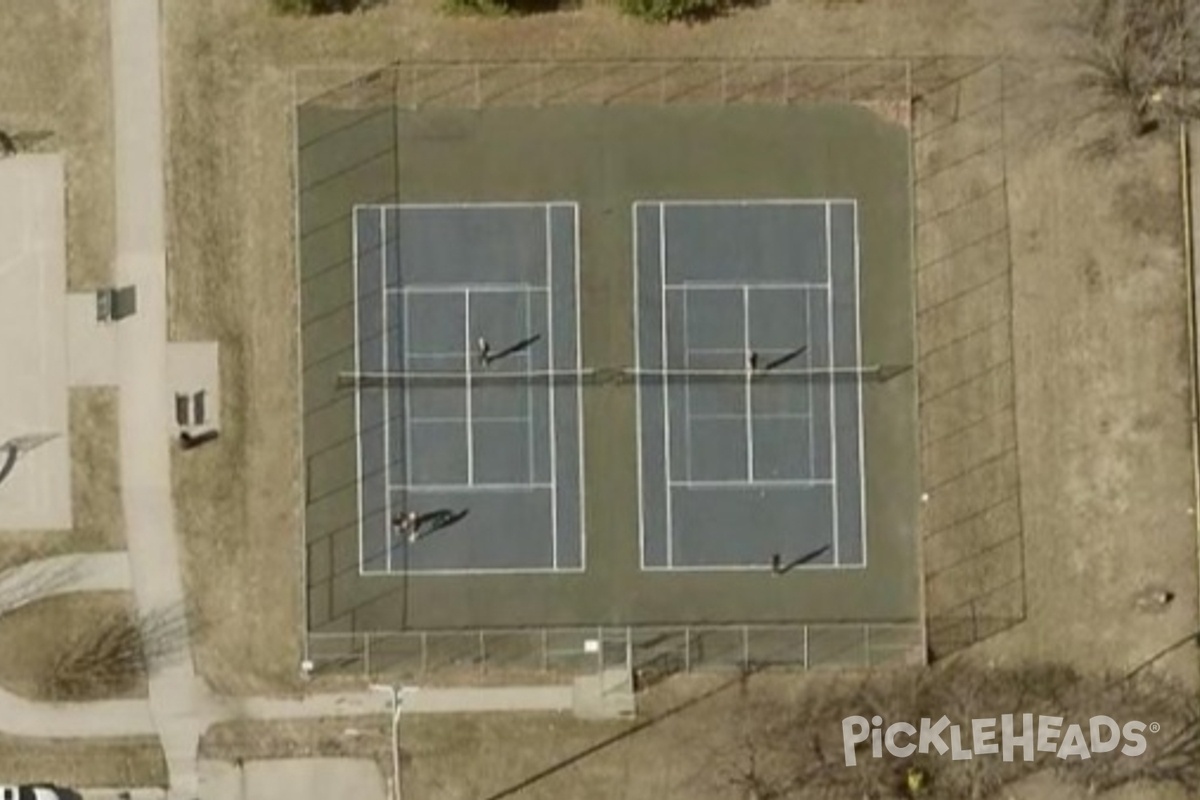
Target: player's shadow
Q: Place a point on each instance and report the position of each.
(779, 568)
(786, 358)
(434, 521)
(520, 346)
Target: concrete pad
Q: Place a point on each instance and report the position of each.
(292, 779)
(91, 345)
(33, 356)
(608, 695)
(192, 367)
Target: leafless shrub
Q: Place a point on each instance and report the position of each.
(114, 655)
(1140, 58)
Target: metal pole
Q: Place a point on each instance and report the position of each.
(394, 693)
(398, 701)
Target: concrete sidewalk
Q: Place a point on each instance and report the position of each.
(441, 700)
(179, 702)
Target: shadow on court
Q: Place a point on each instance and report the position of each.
(779, 568)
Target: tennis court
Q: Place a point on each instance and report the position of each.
(469, 454)
(423, 230)
(751, 446)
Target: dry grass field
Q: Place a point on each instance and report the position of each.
(127, 761)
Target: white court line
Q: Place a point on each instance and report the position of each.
(462, 206)
(387, 404)
(741, 417)
(528, 398)
(408, 473)
(451, 488)
(439, 355)
(749, 396)
(752, 568)
(358, 430)
(862, 464)
(579, 396)
(808, 358)
(552, 388)
(637, 363)
(738, 484)
(452, 573)
(460, 420)
(459, 288)
(687, 394)
(467, 366)
(718, 286)
(832, 384)
(666, 389)
(742, 203)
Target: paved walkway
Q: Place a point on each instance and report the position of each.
(178, 702)
(423, 701)
(83, 572)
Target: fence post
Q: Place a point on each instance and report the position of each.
(478, 88)
(424, 652)
(745, 647)
(367, 656)
(482, 653)
(687, 649)
(545, 650)
(805, 629)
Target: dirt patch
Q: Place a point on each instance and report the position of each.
(38, 635)
(95, 489)
(363, 737)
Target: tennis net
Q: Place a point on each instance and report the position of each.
(613, 376)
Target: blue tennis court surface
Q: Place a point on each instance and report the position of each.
(751, 447)
(469, 459)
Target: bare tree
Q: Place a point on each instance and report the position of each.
(111, 657)
(1138, 57)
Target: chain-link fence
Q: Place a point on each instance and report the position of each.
(971, 521)
(537, 84)
(650, 652)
